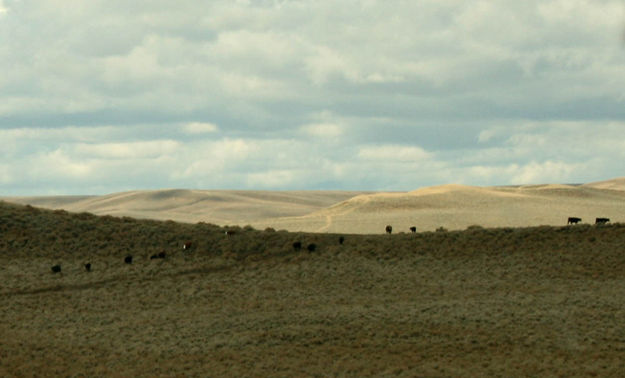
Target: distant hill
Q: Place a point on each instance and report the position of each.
(614, 184)
(459, 206)
(213, 206)
(449, 206)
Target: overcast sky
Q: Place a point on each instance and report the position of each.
(103, 96)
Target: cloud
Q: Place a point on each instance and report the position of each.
(200, 128)
(271, 179)
(309, 94)
(130, 150)
(323, 130)
(393, 153)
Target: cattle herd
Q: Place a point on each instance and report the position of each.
(187, 246)
(576, 220)
(298, 244)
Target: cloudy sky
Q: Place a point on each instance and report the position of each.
(103, 96)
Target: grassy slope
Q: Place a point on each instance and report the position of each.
(542, 300)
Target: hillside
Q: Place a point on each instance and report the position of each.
(614, 184)
(483, 301)
(457, 207)
(454, 207)
(214, 206)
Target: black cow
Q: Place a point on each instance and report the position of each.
(128, 259)
(341, 239)
(413, 229)
(297, 245)
(160, 255)
(602, 220)
(187, 245)
(56, 269)
(88, 267)
(311, 247)
(574, 220)
(230, 232)
(389, 229)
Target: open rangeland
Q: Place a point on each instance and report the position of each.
(454, 207)
(482, 301)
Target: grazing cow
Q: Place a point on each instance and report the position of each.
(602, 220)
(88, 267)
(413, 229)
(229, 232)
(341, 239)
(187, 245)
(128, 259)
(297, 245)
(160, 255)
(574, 220)
(389, 229)
(311, 247)
(56, 269)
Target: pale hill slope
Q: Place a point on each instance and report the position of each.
(614, 184)
(457, 207)
(211, 206)
(449, 206)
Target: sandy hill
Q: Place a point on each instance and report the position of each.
(212, 206)
(450, 206)
(459, 206)
(614, 184)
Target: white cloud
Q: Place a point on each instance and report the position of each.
(507, 77)
(323, 130)
(393, 153)
(545, 172)
(128, 150)
(6, 176)
(200, 128)
(59, 165)
(271, 179)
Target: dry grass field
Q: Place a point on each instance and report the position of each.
(454, 207)
(532, 301)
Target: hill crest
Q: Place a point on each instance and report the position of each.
(452, 206)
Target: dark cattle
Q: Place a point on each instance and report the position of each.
(128, 259)
(56, 269)
(297, 245)
(413, 229)
(88, 267)
(311, 247)
(574, 220)
(389, 229)
(341, 239)
(187, 245)
(160, 255)
(602, 220)
(230, 233)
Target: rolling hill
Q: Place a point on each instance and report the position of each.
(449, 206)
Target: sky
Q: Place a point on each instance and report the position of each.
(103, 96)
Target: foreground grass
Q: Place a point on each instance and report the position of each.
(531, 301)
